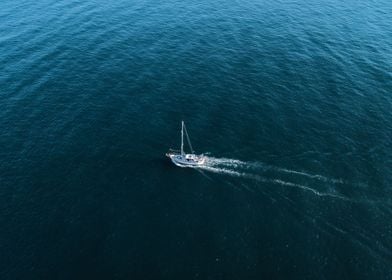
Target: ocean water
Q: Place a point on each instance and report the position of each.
(291, 101)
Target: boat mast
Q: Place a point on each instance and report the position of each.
(182, 137)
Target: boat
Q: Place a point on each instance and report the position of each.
(182, 159)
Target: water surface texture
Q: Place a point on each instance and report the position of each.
(290, 100)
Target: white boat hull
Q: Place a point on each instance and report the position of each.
(187, 160)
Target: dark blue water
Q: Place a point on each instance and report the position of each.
(291, 101)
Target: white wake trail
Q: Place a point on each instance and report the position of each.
(235, 163)
(220, 170)
(238, 168)
(313, 176)
(212, 161)
(265, 180)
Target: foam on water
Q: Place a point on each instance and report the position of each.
(235, 163)
(252, 170)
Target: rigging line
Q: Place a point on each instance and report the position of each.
(189, 141)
